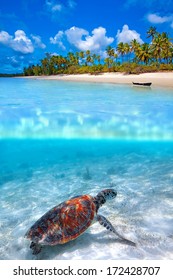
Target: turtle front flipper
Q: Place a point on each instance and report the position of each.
(104, 222)
(36, 248)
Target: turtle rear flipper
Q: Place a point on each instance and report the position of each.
(36, 248)
(104, 222)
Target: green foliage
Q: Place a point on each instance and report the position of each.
(166, 67)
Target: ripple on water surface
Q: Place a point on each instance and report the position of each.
(52, 109)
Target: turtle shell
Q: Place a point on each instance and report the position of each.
(64, 222)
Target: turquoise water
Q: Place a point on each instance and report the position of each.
(50, 109)
(52, 133)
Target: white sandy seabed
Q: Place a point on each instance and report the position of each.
(142, 210)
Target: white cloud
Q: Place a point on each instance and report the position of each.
(74, 35)
(155, 18)
(57, 39)
(53, 6)
(54, 54)
(37, 42)
(57, 7)
(71, 4)
(5, 37)
(13, 61)
(20, 42)
(127, 35)
(81, 39)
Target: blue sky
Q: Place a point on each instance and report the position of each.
(31, 28)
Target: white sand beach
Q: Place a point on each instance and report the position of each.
(164, 79)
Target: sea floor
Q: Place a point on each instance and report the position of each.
(39, 174)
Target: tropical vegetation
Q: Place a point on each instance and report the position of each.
(130, 58)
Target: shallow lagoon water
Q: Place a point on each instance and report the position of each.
(53, 132)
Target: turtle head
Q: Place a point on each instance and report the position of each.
(103, 196)
(108, 194)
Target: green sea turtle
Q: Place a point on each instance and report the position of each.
(69, 220)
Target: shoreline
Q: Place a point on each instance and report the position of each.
(163, 79)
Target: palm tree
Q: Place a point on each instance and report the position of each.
(157, 47)
(166, 46)
(151, 32)
(98, 58)
(45, 66)
(87, 52)
(72, 58)
(110, 51)
(127, 50)
(29, 71)
(115, 57)
(144, 53)
(134, 46)
(111, 55)
(37, 71)
(108, 61)
(94, 58)
(77, 57)
(171, 54)
(81, 55)
(58, 63)
(88, 57)
(121, 49)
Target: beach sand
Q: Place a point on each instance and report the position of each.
(164, 79)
